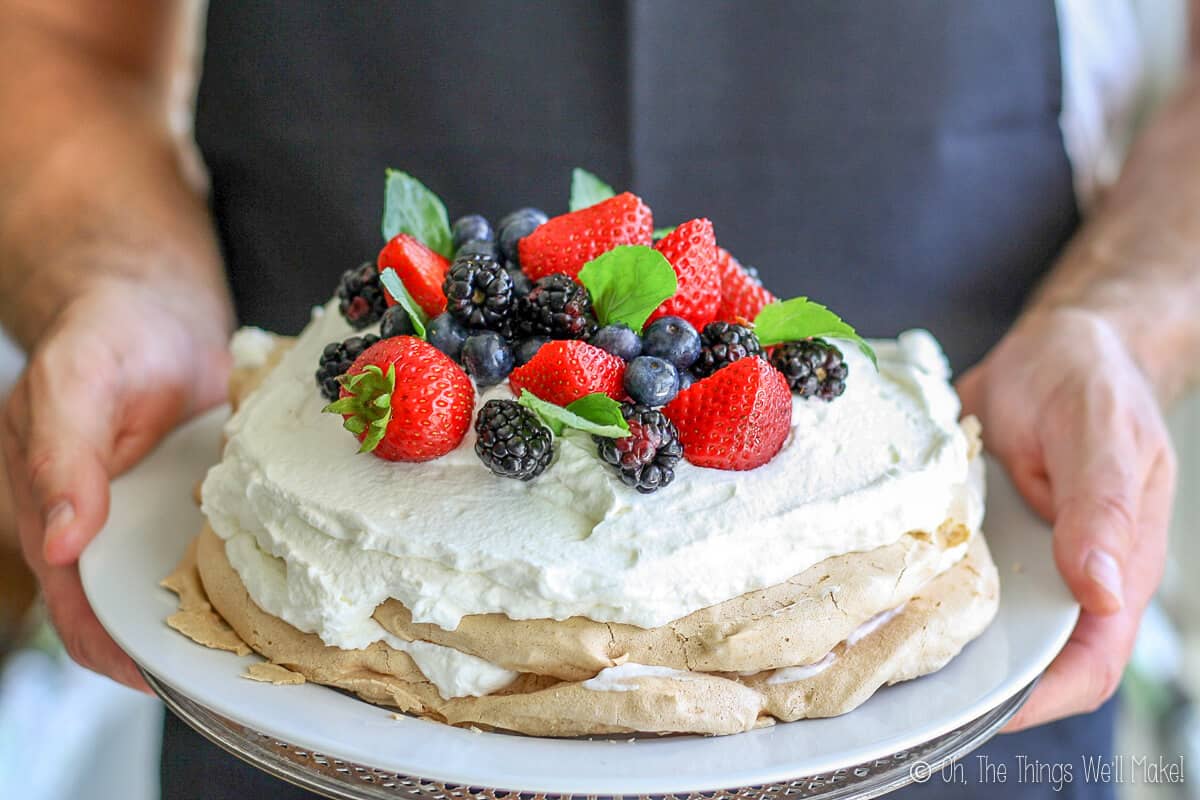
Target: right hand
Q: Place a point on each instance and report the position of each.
(117, 369)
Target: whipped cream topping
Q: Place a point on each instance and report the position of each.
(251, 347)
(448, 538)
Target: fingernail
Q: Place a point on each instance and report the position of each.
(58, 518)
(1104, 570)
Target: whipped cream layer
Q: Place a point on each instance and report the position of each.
(454, 673)
(448, 538)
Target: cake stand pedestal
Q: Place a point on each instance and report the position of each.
(346, 781)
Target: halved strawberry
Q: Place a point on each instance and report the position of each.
(567, 242)
(692, 250)
(737, 418)
(742, 295)
(564, 371)
(422, 270)
(417, 412)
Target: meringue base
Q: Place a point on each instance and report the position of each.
(557, 692)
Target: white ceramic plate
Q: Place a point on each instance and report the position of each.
(153, 518)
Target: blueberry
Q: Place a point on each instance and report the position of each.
(651, 381)
(395, 322)
(672, 339)
(471, 227)
(618, 339)
(685, 379)
(479, 247)
(446, 334)
(517, 226)
(522, 286)
(487, 358)
(526, 350)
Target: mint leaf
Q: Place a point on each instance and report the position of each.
(368, 404)
(662, 233)
(602, 411)
(627, 283)
(801, 318)
(409, 207)
(391, 281)
(587, 189)
(594, 413)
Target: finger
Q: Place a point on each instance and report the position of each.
(65, 433)
(1096, 473)
(82, 635)
(1089, 668)
(1029, 476)
(970, 392)
(1086, 672)
(85, 639)
(1154, 517)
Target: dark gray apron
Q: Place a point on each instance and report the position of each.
(899, 161)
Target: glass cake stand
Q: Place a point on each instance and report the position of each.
(343, 780)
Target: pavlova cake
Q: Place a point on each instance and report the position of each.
(579, 476)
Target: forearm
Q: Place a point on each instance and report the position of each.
(1137, 260)
(91, 189)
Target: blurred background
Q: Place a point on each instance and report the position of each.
(66, 733)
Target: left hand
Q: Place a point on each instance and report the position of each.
(1076, 424)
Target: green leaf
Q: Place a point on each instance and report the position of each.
(410, 207)
(801, 318)
(595, 413)
(587, 189)
(368, 404)
(627, 283)
(662, 233)
(396, 288)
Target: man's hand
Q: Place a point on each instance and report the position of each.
(1076, 423)
(120, 367)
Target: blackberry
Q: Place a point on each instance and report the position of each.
(557, 307)
(360, 296)
(479, 293)
(646, 459)
(468, 228)
(522, 286)
(813, 368)
(336, 358)
(721, 344)
(511, 440)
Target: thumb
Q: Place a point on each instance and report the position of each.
(67, 437)
(1094, 477)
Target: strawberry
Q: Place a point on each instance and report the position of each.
(737, 418)
(742, 295)
(692, 250)
(422, 270)
(405, 400)
(565, 370)
(566, 243)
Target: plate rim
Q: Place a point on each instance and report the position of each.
(259, 719)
